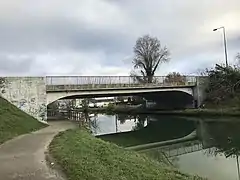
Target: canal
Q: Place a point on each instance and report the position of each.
(211, 153)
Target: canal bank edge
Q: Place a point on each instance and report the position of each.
(200, 112)
(54, 166)
(190, 137)
(82, 156)
(188, 112)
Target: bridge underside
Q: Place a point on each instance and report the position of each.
(171, 99)
(164, 99)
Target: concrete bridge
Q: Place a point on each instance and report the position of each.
(33, 94)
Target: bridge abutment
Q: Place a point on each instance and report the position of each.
(199, 91)
(28, 94)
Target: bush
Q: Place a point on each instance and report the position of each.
(224, 85)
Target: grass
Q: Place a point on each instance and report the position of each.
(84, 157)
(14, 122)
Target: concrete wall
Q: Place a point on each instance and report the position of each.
(199, 91)
(28, 94)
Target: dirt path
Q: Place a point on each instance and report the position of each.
(23, 158)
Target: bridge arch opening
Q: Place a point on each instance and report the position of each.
(170, 99)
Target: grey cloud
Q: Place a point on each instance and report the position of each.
(15, 65)
(84, 29)
(234, 42)
(60, 35)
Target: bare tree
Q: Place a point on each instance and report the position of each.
(148, 55)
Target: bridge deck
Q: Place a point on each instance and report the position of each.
(110, 82)
(55, 88)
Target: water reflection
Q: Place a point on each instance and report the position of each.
(218, 157)
(226, 140)
(107, 124)
(213, 167)
(213, 155)
(221, 135)
(136, 122)
(142, 129)
(225, 137)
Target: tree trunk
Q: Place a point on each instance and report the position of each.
(149, 79)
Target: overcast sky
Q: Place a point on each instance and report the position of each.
(96, 37)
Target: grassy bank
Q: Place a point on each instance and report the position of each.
(85, 157)
(14, 122)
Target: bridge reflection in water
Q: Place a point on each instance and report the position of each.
(213, 134)
(178, 149)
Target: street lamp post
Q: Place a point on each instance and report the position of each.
(225, 43)
(238, 167)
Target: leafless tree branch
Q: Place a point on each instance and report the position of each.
(148, 55)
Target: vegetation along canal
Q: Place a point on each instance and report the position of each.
(211, 151)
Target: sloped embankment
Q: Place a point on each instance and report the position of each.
(14, 122)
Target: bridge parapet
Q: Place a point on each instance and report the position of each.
(59, 83)
(178, 148)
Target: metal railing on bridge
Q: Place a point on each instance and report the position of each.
(178, 148)
(185, 148)
(55, 83)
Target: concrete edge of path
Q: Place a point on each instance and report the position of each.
(51, 162)
(53, 165)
